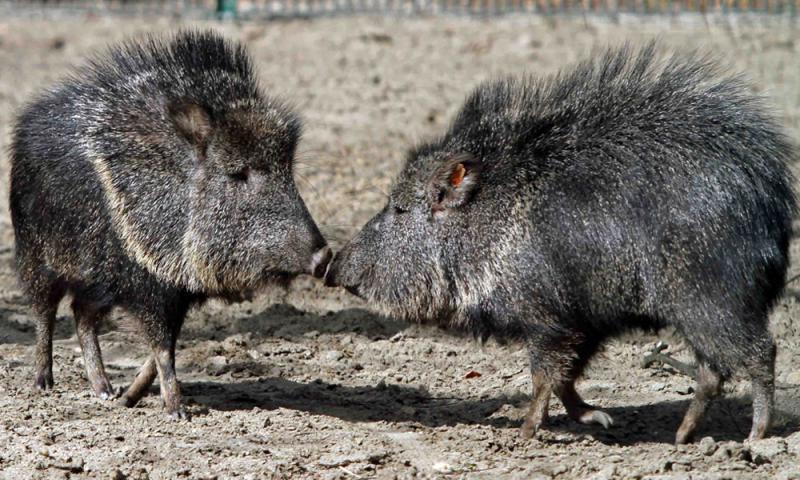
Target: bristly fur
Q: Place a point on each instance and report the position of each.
(635, 190)
(152, 177)
(198, 52)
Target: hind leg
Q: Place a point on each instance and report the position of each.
(762, 375)
(709, 386)
(745, 344)
(45, 300)
(44, 350)
(144, 378)
(87, 320)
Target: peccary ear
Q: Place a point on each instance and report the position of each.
(193, 123)
(455, 181)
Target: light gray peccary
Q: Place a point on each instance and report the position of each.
(635, 191)
(154, 177)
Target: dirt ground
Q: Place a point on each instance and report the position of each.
(306, 382)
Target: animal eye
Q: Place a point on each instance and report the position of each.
(440, 196)
(399, 210)
(240, 176)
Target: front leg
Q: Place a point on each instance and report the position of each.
(88, 318)
(164, 355)
(161, 329)
(540, 401)
(556, 362)
(579, 410)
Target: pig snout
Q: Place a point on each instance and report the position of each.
(319, 262)
(336, 277)
(331, 276)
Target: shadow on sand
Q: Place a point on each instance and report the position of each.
(727, 419)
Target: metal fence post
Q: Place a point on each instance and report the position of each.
(226, 8)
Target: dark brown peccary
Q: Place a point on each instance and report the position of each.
(634, 191)
(154, 177)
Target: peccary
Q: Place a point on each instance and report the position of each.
(639, 190)
(154, 177)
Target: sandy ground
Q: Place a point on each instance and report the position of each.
(307, 382)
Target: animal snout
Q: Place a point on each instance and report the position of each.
(353, 289)
(319, 262)
(333, 271)
(333, 277)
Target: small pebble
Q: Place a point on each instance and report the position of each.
(764, 451)
(793, 377)
(442, 467)
(332, 355)
(607, 473)
(218, 361)
(707, 446)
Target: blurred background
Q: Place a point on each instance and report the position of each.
(307, 382)
(294, 8)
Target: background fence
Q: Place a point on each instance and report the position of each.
(299, 8)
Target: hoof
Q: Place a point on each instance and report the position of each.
(528, 430)
(682, 438)
(44, 381)
(178, 415)
(757, 434)
(127, 402)
(599, 417)
(105, 392)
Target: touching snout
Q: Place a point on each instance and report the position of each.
(334, 277)
(319, 262)
(331, 273)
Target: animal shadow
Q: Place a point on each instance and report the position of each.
(727, 418)
(285, 321)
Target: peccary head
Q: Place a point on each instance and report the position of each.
(247, 221)
(196, 166)
(436, 248)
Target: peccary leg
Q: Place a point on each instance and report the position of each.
(576, 408)
(160, 324)
(45, 295)
(147, 374)
(763, 381)
(709, 386)
(579, 410)
(555, 365)
(763, 402)
(540, 401)
(87, 320)
(44, 349)
(170, 391)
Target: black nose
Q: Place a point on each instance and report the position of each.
(320, 261)
(353, 289)
(330, 275)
